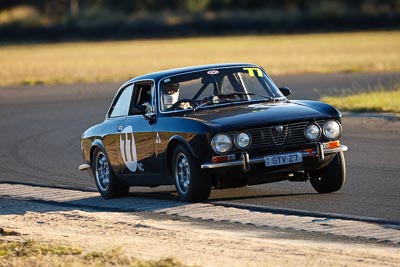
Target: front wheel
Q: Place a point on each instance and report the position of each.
(190, 182)
(332, 177)
(106, 181)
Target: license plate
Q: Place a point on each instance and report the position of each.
(283, 159)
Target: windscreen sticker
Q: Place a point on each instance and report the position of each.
(212, 72)
(128, 150)
(252, 70)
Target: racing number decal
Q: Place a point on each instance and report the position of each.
(128, 150)
(251, 71)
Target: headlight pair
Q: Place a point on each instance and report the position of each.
(222, 143)
(331, 130)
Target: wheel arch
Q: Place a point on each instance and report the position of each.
(96, 144)
(173, 142)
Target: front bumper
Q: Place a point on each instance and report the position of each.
(84, 167)
(320, 150)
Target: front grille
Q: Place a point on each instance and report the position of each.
(278, 135)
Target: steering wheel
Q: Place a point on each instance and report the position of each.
(177, 104)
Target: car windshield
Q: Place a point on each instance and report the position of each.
(218, 86)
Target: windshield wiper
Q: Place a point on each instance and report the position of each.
(217, 101)
(204, 104)
(269, 98)
(249, 94)
(252, 94)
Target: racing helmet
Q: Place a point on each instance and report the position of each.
(170, 94)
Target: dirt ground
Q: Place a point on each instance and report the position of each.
(148, 236)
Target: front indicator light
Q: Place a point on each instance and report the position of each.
(220, 159)
(332, 144)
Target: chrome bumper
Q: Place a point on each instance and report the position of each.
(246, 161)
(84, 167)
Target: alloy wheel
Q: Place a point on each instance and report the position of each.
(182, 173)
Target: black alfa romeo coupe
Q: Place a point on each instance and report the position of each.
(220, 126)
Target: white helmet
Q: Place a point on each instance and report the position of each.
(170, 94)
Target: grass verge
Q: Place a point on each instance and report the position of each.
(374, 101)
(117, 61)
(31, 253)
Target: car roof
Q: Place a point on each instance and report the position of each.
(165, 73)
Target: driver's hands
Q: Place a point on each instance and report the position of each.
(185, 105)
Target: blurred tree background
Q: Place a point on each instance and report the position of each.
(116, 19)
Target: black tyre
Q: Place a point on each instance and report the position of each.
(190, 182)
(332, 177)
(106, 181)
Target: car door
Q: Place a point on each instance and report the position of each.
(138, 163)
(117, 113)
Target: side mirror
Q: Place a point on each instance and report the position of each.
(145, 110)
(138, 110)
(285, 90)
(150, 117)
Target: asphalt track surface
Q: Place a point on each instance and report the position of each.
(41, 126)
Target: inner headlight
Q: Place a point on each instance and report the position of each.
(312, 132)
(242, 140)
(332, 130)
(221, 143)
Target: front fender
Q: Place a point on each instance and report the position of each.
(177, 139)
(197, 144)
(322, 107)
(97, 143)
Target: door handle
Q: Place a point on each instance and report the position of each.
(120, 128)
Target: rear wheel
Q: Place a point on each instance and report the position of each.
(106, 181)
(332, 177)
(190, 182)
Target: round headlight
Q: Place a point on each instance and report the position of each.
(332, 130)
(242, 140)
(312, 132)
(221, 143)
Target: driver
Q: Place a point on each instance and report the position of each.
(170, 95)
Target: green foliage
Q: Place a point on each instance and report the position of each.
(32, 253)
(195, 6)
(382, 100)
(58, 9)
(32, 248)
(49, 20)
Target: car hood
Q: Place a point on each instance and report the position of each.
(251, 115)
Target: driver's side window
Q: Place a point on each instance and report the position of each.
(142, 99)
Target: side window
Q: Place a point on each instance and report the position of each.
(121, 106)
(142, 93)
(142, 96)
